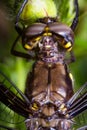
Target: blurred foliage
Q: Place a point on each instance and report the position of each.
(80, 47)
(65, 10)
(17, 68)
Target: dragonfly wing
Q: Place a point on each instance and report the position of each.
(13, 103)
(78, 107)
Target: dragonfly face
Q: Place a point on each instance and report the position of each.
(44, 41)
(46, 26)
(48, 33)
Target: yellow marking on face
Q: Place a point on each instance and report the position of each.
(48, 46)
(46, 28)
(33, 43)
(68, 44)
(38, 38)
(47, 34)
(69, 49)
(27, 47)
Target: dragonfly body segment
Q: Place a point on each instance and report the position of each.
(48, 96)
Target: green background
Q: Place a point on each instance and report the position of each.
(16, 68)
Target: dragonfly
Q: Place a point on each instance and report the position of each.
(37, 101)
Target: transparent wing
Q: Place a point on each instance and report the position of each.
(78, 107)
(12, 97)
(81, 121)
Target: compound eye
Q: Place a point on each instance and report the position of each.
(35, 29)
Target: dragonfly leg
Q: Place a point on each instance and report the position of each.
(17, 27)
(75, 21)
(71, 59)
(18, 53)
